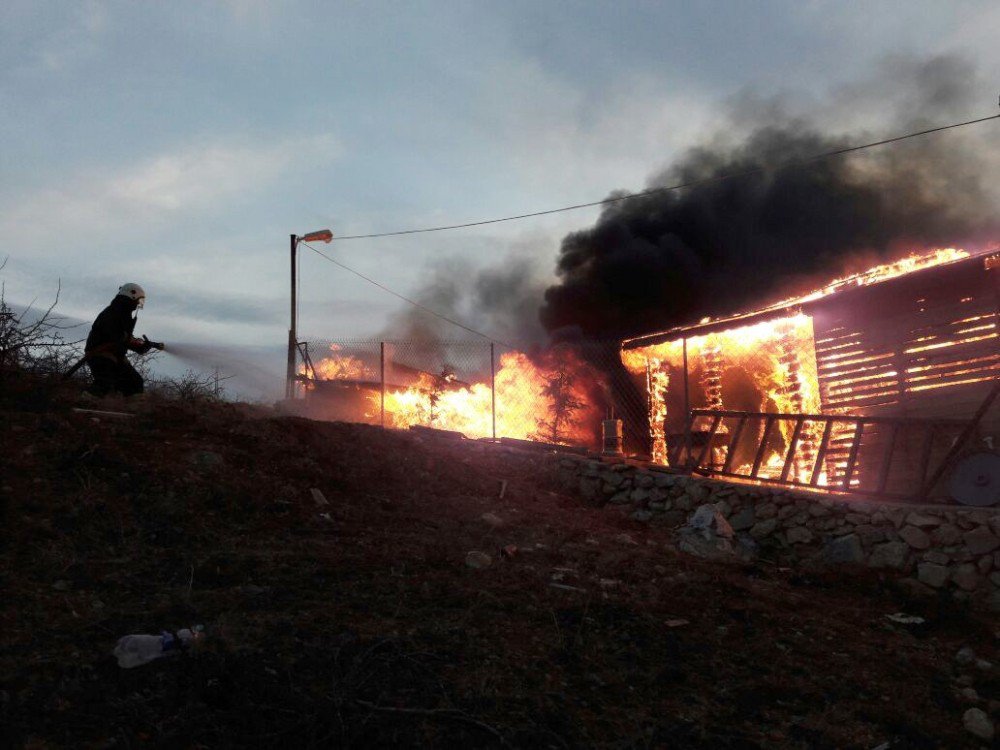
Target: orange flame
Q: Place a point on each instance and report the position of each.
(341, 367)
(778, 361)
(549, 397)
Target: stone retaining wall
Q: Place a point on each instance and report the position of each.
(930, 547)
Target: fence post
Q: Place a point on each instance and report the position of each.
(493, 387)
(688, 422)
(381, 347)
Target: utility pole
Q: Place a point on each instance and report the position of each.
(493, 387)
(323, 235)
(292, 332)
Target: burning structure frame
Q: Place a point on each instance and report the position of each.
(861, 386)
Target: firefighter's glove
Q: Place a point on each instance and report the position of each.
(140, 346)
(151, 344)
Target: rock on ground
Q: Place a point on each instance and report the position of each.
(977, 723)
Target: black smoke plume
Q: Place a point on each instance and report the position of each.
(670, 258)
(500, 301)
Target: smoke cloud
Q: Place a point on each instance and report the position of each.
(500, 301)
(667, 259)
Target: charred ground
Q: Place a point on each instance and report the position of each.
(358, 623)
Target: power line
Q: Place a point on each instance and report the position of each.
(657, 190)
(405, 299)
(608, 201)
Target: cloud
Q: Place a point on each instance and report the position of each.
(200, 177)
(167, 187)
(257, 11)
(68, 46)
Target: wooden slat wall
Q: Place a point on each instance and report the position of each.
(923, 345)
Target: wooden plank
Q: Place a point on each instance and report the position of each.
(102, 413)
(944, 385)
(768, 424)
(951, 350)
(917, 369)
(853, 457)
(863, 377)
(874, 419)
(960, 400)
(792, 445)
(841, 344)
(867, 390)
(985, 317)
(861, 403)
(876, 359)
(969, 350)
(674, 454)
(706, 449)
(883, 474)
(959, 444)
(925, 452)
(731, 450)
(959, 376)
(792, 483)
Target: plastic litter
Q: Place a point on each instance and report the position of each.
(136, 650)
(905, 619)
(478, 560)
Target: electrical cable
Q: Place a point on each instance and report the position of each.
(608, 201)
(406, 299)
(668, 188)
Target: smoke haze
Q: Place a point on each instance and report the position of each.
(501, 301)
(661, 260)
(237, 366)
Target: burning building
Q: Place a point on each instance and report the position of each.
(551, 396)
(861, 385)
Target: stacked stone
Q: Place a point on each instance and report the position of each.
(929, 547)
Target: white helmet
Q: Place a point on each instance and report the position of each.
(133, 291)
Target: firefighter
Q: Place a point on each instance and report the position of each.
(110, 337)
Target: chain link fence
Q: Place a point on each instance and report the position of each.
(556, 394)
(767, 367)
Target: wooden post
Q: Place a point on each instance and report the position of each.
(762, 449)
(824, 446)
(792, 445)
(688, 421)
(381, 346)
(925, 454)
(493, 387)
(731, 450)
(883, 473)
(852, 457)
(706, 449)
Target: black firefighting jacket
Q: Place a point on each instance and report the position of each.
(111, 334)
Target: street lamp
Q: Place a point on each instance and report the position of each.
(322, 235)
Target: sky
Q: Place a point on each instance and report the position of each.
(177, 145)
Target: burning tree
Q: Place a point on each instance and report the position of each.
(560, 388)
(438, 385)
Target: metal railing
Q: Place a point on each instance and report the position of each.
(879, 456)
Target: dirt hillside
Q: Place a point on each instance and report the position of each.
(359, 623)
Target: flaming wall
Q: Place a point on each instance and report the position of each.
(551, 396)
(913, 339)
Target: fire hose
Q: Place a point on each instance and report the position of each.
(142, 348)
